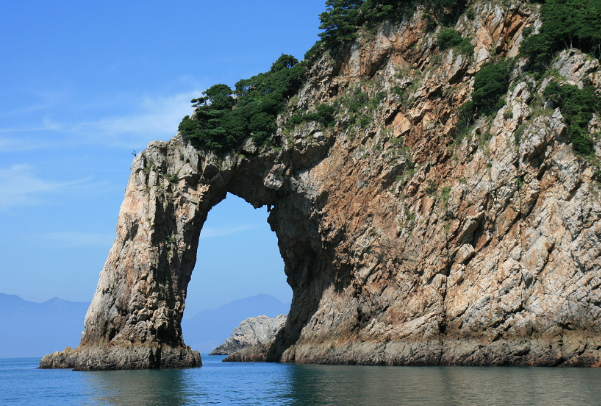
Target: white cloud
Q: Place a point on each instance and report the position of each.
(43, 101)
(144, 119)
(154, 118)
(77, 239)
(9, 144)
(20, 186)
(212, 232)
(21, 144)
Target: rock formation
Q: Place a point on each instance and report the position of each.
(252, 331)
(403, 245)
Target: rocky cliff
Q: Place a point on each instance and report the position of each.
(252, 331)
(404, 243)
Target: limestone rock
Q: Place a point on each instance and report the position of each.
(252, 331)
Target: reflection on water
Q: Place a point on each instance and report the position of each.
(214, 383)
(21, 383)
(365, 385)
(146, 387)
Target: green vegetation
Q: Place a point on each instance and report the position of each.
(577, 106)
(449, 38)
(223, 118)
(410, 217)
(149, 165)
(340, 21)
(172, 178)
(343, 18)
(431, 188)
(445, 194)
(490, 85)
(356, 102)
(566, 24)
(323, 114)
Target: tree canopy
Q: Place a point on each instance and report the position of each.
(343, 18)
(223, 118)
(566, 24)
(577, 106)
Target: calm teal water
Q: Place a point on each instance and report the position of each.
(217, 383)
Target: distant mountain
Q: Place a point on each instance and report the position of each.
(209, 328)
(29, 329)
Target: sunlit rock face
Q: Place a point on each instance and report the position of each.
(403, 244)
(251, 332)
(134, 320)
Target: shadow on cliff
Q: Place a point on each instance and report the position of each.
(295, 216)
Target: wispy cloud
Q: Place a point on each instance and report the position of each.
(77, 239)
(145, 119)
(212, 232)
(42, 100)
(14, 144)
(153, 118)
(20, 186)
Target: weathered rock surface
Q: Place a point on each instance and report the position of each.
(252, 331)
(402, 245)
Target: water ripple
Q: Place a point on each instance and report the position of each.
(217, 383)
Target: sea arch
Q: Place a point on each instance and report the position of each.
(134, 320)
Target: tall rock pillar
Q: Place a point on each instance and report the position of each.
(134, 319)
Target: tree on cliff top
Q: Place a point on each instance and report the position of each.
(340, 20)
(223, 118)
(343, 18)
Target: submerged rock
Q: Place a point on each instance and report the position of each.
(252, 331)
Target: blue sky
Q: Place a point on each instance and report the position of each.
(86, 83)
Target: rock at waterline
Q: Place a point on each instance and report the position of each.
(252, 331)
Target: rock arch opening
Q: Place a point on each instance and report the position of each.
(134, 320)
(238, 260)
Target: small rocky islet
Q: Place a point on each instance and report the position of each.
(251, 332)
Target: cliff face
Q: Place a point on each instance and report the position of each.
(403, 245)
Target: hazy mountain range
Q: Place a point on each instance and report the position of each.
(30, 329)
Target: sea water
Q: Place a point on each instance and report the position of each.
(218, 383)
